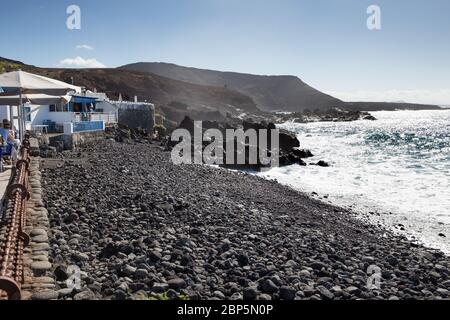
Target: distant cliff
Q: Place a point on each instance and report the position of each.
(388, 106)
(204, 94)
(270, 93)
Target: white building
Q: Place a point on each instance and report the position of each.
(86, 106)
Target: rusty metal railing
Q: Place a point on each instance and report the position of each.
(15, 238)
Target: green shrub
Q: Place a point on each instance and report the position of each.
(159, 119)
(162, 131)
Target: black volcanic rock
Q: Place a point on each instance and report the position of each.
(303, 153)
(370, 117)
(234, 235)
(288, 143)
(322, 163)
(188, 124)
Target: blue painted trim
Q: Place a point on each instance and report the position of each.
(78, 99)
(85, 126)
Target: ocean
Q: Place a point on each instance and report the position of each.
(394, 171)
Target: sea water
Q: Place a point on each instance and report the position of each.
(394, 171)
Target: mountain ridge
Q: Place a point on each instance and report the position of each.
(270, 92)
(159, 90)
(230, 92)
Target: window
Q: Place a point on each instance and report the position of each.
(77, 107)
(27, 111)
(60, 107)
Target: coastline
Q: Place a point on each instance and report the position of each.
(373, 157)
(147, 227)
(370, 214)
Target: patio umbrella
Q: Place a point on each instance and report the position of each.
(35, 99)
(19, 83)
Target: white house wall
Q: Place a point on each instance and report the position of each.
(39, 114)
(106, 106)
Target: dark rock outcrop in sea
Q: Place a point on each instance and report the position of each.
(332, 114)
(289, 152)
(140, 227)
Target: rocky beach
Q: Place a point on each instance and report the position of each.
(225, 159)
(140, 227)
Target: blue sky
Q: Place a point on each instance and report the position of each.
(324, 42)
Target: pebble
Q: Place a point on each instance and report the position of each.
(150, 226)
(176, 283)
(325, 293)
(269, 287)
(62, 293)
(79, 256)
(155, 256)
(219, 295)
(129, 270)
(38, 232)
(41, 265)
(250, 293)
(287, 293)
(442, 292)
(40, 257)
(45, 295)
(319, 265)
(160, 287)
(120, 295)
(40, 239)
(40, 246)
(84, 295)
(352, 290)
(141, 273)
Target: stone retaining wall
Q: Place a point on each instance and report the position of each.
(39, 281)
(75, 140)
(142, 117)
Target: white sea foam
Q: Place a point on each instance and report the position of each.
(398, 166)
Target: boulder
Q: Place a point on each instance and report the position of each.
(322, 163)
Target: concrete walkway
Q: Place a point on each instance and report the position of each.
(4, 181)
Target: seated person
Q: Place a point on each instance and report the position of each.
(11, 133)
(8, 139)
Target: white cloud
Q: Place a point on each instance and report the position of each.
(79, 62)
(438, 97)
(85, 47)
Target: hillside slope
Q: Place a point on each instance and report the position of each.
(270, 93)
(151, 87)
(183, 91)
